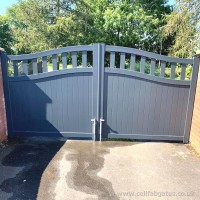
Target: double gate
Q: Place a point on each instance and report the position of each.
(99, 91)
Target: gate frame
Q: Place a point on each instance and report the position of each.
(99, 50)
(191, 96)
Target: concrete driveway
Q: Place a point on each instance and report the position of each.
(48, 169)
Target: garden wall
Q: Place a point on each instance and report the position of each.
(195, 128)
(3, 127)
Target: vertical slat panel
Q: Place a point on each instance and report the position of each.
(109, 88)
(140, 113)
(53, 84)
(152, 108)
(79, 102)
(119, 84)
(107, 100)
(183, 110)
(156, 111)
(123, 93)
(179, 111)
(15, 66)
(49, 112)
(64, 60)
(130, 101)
(74, 59)
(183, 69)
(68, 88)
(142, 64)
(89, 100)
(122, 60)
(167, 111)
(173, 123)
(84, 58)
(25, 66)
(63, 88)
(162, 72)
(44, 64)
(127, 100)
(54, 58)
(35, 68)
(75, 90)
(112, 59)
(114, 102)
(165, 95)
(146, 108)
(134, 104)
(132, 65)
(59, 102)
(83, 97)
(153, 66)
(173, 68)
(162, 119)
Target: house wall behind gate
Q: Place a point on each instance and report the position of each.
(195, 128)
(3, 127)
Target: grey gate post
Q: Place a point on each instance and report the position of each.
(4, 67)
(98, 80)
(192, 92)
(101, 82)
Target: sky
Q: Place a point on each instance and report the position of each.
(4, 4)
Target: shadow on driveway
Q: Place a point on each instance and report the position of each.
(26, 160)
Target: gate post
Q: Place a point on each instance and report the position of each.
(101, 96)
(192, 92)
(98, 79)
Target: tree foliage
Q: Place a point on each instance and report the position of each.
(6, 37)
(28, 20)
(184, 25)
(43, 24)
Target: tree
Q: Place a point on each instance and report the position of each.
(183, 24)
(130, 25)
(6, 37)
(28, 20)
(125, 22)
(43, 24)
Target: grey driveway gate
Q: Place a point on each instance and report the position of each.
(121, 93)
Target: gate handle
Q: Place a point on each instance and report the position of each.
(101, 120)
(94, 128)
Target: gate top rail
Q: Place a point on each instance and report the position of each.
(123, 58)
(150, 63)
(50, 52)
(51, 60)
(148, 54)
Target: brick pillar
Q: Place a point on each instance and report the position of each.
(3, 124)
(195, 127)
